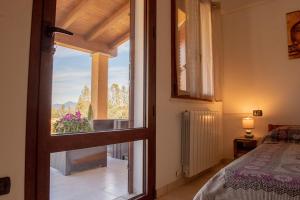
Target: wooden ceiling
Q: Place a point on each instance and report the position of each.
(98, 25)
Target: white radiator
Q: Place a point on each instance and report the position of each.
(200, 141)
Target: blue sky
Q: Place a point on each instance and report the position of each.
(72, 70)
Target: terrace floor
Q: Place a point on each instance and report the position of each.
(106, 183)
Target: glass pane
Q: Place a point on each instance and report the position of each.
(98, 73)
(98, 173)
(194, 53)
(182, 79)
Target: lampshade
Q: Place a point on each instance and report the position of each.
(248, 123)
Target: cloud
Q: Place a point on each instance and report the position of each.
(118, 74)
(72, 70)
(124, 48)
(69, 76)
(63, 52)
(67, 91)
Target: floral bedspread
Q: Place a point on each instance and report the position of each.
(272, 168)
(271, 171)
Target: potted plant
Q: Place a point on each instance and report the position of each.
(72, 123)
(76, 160)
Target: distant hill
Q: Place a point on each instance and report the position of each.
(67, 105)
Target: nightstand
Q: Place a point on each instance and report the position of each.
(243, 145)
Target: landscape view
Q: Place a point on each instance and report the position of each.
(71, 90)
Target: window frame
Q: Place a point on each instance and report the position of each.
(175, 93)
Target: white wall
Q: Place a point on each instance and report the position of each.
(15, 18)
(258, 73)
(168, 140)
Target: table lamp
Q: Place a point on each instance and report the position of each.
(248, 125)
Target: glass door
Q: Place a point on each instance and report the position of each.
(96, 101)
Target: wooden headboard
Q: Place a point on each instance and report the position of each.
(273, 126)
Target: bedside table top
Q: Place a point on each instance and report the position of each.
(258, 140)
(248, 139)
(244, 145)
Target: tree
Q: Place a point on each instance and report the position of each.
(84, 101)
(90, 113)
(125, 96)
(54, 113)
(118, 102)
(62, 111)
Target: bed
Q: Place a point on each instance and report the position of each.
(271, 171)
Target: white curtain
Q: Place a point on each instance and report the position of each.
(193, 52)
(217, 40)
(207, 52)
(199, 49)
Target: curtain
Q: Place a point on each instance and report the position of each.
(207, 52)
(199, 49)
(199, 53)
(217, 41)
(193, 51)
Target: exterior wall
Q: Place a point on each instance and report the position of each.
(257, 71)
(168, 141)
(15, 19)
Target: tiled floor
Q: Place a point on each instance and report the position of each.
(106, 183)
(187, 192)
(110, 183)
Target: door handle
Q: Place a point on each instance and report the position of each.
(52, 29)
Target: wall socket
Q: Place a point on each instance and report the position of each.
(178, 173)
(5, 186)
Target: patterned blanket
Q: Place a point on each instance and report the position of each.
(271, 171)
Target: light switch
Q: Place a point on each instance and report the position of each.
(4, 185)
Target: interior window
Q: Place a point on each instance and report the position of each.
(193, 50)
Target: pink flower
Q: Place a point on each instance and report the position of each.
(68, 117)
(78, 114)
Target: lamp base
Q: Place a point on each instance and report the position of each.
(249, 134)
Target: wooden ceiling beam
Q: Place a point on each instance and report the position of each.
(73, 14)
(79, 43)
(100, 28)
(120, 40)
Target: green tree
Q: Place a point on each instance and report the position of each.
(84, 101)
(90, 113)
(54, 113)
